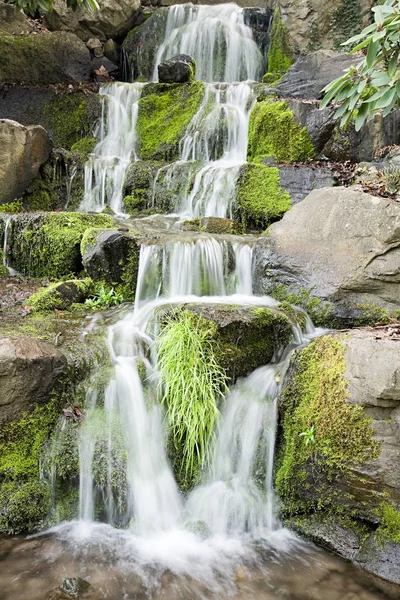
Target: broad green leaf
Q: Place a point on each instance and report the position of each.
(371, 54)
(386, 99)
(361, 116)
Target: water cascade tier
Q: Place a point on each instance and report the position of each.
(215, 140)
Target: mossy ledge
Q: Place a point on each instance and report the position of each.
(273, 133)
(165, 111)
(48, 244)
(323, 437)
(280, 52)
(260, 200)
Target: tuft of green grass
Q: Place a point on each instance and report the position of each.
(191, 383)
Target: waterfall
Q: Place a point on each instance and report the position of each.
(216, 37)
(106, 168)
(7, 230)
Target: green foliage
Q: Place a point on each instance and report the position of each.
(136, 201)
(104, 297)
(11, 207)
(372, 314)
(319, 312)
(4, 272)
(314, 400)
(274, 133)
(392, 178)
(23, 507)
(346, 21)
(191, 385)
(48, 245)
(165, 111)
(280, 52)
(259, 200)
(30, 7)
(379, 69)
(389, 528)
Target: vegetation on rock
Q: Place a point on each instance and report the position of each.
(71, 118)
(260, 200)
(165, 111)
(30, 7)
(319, 312)
(60, 295)
(280, 51)
(273, 133)
(323, 435)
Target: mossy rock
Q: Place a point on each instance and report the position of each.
(138, 186)
(273, 133)
(215, 225)
(280, 51)
(323, 436)
(260, 200)
(48, 58)
(23, 506)
(48, 244)
(60, 295)
(165, 111)
(244, 337)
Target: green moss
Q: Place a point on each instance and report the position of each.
(11, 207)
(129, 275)
(67, 506)
(297, 317)
(260, 200)
(3, 270)
(84, 147)
(346, 22)
(389, 528)
(274, 133)
(280, 52)
(49, 298)
(165, 111)
(323, 435)
(71, 117)
(49, 244)
(23, 506)
(90, 236)
(319, 312)
(136, 201)
(39, 195)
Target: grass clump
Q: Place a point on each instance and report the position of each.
(191, 385)
(165, 111)
(273, 132)
(389, 528)
(323, 435)
(280, 52)
(260, 200)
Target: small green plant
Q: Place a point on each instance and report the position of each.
(319, 312)
(392, 178)
(389, 529)
(11, 207)
(309, 435)
(104, 298)
(191, 385)
(373, 314)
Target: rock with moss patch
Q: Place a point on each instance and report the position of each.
(43, 59)
(113, 257)
(165, 111)
(60, 295)
(23, 506)
(48, 245)
(273, 133)
(340, 243)
(245, 337)
(280, 50)
(29, 370)
(22, 152)
(339, 446)
(178, 69)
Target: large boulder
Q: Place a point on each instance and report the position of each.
(347, 387)
(314, 23)
(300, 181)
(340, 242)
(22, 152)
(29, 370)
(312, 72)
(113, 19)
(178, 69)
(43, 59)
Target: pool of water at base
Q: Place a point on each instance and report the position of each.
(30, 568)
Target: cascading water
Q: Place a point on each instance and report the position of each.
(216, 37)
(7, 230)
(106, 168)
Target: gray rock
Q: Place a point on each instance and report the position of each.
(22, 152)
(13, 22)
(107, 258)
(312, 72)
(341, 242)
(178, 69)
(95, 46)
(29, 370)
(112, 51)
(301, 181)
(44, 59)
(320, 123)
(105, 62)
(113, 19)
